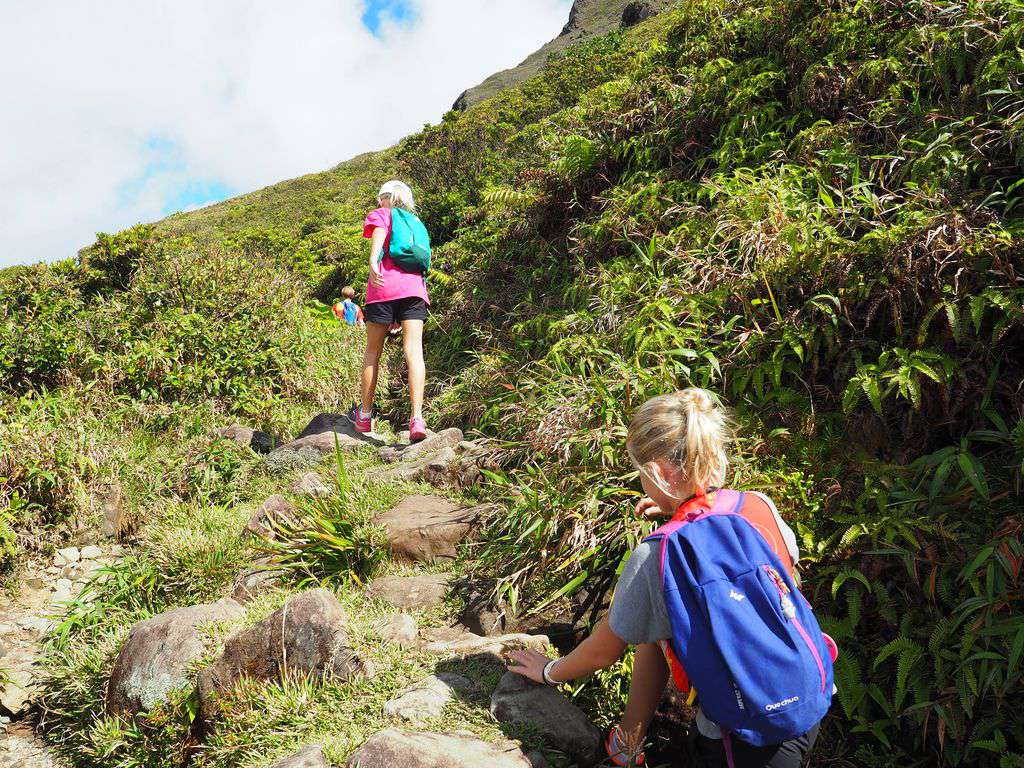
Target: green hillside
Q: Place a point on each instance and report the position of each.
(811, 208)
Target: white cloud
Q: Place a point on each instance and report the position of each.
(247, 92)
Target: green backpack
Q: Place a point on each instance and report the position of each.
(410, 242)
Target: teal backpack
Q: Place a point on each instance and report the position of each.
(410, 242)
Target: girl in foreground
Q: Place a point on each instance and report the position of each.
(394, 297)
(678, 443)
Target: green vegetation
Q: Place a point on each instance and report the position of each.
(811, 208)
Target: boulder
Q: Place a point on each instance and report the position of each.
(255, 581)
(277, 509)
(307, 757)
(394, 748)
(418, 592)
(322, 432)
(260, 442)
(561, 723)
(91, 552)
(423, 528)
(311, 484)
(433, 443)
(155, 658)
(426, 699)
(305, 636)
(634, 13)
(398, 628)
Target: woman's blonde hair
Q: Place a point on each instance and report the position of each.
(688, 428)
(400, 194)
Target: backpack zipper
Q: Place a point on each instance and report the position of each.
(789, 611)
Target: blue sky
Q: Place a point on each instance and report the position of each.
(377, 11)
(125, 112)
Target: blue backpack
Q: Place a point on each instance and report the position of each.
(747, 638)
(410, 242)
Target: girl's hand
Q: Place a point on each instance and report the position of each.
(648, 509)
(376, 277)
(528, 663)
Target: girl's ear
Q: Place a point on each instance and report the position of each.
(663, 476)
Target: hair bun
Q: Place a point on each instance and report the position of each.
(699, 400)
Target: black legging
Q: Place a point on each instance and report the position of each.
(710, 753)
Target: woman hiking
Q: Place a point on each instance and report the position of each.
(763, 677)
(395, 296)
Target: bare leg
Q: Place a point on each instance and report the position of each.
(650, 676)
(375, 336)
(412, 343)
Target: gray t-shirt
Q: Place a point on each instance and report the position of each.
(638, 614)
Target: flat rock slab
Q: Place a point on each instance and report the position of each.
(562, 724)
(425, 528)
(438, 441)
(426, 699)
(155, 658)
(305, 636)
(307, 757)
(418, 592)
(276, 509)
(17, 693)
(468, 644)
(394, 748)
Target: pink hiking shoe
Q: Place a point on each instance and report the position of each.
(360, 423)
(417, 429)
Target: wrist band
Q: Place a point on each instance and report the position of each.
(546, 674)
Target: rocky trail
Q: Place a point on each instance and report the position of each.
(309, 634)
(23, 624)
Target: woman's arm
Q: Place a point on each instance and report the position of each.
(599, 651)
(376, 246)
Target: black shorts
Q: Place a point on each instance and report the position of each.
(388, 312)
(790, 754)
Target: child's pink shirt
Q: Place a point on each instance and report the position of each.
(398, 284)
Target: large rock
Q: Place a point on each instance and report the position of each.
(562, 724)
(426, 699)
(260, 442)
(322, 432)
(307, 757)
(418, 592)
(433, 443)
(427, 527)
(276, 509)
(406, 749)
(305, 636)
(155, 658)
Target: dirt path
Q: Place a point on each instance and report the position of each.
(23, 624)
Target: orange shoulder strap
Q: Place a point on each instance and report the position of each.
(757, 512)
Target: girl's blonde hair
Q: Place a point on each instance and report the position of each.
(400, 194)
(688, 428)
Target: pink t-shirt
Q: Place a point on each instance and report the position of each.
(398, 284)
